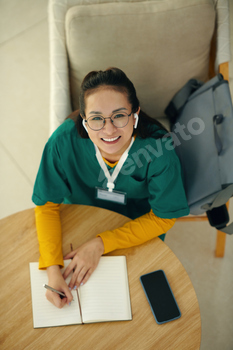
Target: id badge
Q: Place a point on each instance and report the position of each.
(114, 196)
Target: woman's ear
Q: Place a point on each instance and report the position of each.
(84, 125)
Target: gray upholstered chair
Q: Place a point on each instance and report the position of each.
(160, 44)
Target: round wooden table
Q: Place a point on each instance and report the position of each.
(19, 246)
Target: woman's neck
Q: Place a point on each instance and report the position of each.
(110, 158)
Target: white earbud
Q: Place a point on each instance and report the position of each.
(136, 120)
(84, 125)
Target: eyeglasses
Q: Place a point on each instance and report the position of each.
(119, 120)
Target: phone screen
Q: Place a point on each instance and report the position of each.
(160, 296)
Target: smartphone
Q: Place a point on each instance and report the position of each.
(160, 297)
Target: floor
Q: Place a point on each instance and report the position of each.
(24, 129)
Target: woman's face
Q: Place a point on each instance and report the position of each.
(111, 141)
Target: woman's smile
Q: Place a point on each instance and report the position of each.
(111, 141)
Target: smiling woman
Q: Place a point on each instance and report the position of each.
(99, 157)
(112, 135)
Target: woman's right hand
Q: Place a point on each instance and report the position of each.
(56, 281)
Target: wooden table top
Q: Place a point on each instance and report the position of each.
(19, 246)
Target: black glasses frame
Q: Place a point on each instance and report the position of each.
(104, 119)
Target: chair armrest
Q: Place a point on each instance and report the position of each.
(223, 53)
(60, 105)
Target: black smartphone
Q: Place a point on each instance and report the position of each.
(160, 297)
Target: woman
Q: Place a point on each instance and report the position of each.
(110, 155)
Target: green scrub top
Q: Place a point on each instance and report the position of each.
(151, 177)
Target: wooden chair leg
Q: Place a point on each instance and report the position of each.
(220, 244)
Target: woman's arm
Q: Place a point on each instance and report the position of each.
(135, 232)
(84, 259)
(48, 224)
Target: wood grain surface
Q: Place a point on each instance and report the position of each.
(19, 246)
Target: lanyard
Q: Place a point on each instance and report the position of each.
(112, 178)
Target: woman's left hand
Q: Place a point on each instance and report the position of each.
(85, 260)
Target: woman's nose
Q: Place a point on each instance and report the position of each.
(109, 128)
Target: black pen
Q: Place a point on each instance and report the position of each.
(54, 290)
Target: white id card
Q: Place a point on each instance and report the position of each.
(114, 196)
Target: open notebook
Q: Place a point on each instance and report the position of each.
(104, 297)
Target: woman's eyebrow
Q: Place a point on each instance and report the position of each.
(115, 110)
(119, 109)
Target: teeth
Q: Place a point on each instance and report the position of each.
(110, 140)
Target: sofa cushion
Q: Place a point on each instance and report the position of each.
(160, 45)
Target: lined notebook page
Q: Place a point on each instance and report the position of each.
(105, 296)
(46, 314)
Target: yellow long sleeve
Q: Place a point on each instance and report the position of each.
(135, 232)
(48, 224)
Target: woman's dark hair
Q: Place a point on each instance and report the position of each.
(117, 80)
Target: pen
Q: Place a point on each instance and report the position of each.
(54, 290)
